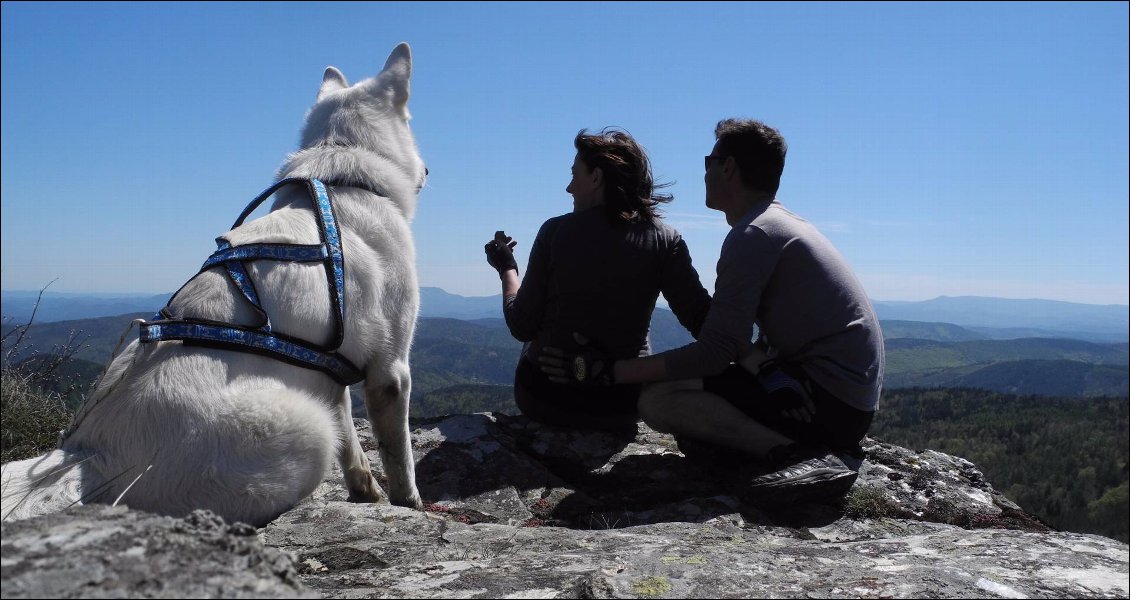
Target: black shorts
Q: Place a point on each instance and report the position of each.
(608, 408)
(835, 425)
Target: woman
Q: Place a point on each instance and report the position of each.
(593, 279)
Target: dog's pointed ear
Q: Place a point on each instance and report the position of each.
(332, 81)
(393, 79)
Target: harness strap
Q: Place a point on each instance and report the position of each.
(331, 241)
(272, 344)
(237, 272)
(288, 252)
(261, 339)
(232, 259)
(335, 268)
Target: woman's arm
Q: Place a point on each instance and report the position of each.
(523, 301)
(680, 284)
(510, 284)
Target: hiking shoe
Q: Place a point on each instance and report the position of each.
(800, 473)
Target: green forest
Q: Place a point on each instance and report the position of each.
(1062, 459)
(464, 399)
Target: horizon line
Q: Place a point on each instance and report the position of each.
(943, 296)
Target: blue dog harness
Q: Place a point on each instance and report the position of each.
(262, 340)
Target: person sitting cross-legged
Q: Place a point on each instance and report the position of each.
(790, 408)
(597, 270)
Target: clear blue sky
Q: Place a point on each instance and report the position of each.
(946, 149)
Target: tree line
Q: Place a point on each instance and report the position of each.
(1061, 459)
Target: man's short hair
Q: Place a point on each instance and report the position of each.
(758, 149)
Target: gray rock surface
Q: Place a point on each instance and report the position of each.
(520, 510)
(113, 552)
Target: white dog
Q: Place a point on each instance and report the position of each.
(174, 427)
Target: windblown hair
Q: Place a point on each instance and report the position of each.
(629, 191)
(758, 149)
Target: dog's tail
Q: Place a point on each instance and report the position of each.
(41, 485)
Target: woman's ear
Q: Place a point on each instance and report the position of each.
(597, 176)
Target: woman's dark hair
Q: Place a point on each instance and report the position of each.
(758, 149)
(629, 192)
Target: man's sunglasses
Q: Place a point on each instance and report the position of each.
(710, 157)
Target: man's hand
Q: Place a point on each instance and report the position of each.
(586, 368)
(500, 253)
(788, 393)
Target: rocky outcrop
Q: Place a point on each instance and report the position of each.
(521, 510)
(100, 551)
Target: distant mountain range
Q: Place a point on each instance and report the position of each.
(1001, 318)
(981, 318)
(434, 302)
(953, 318)
(1012, 346)
(975, 317)
(451, 354)
(1040, 366)
(17, 307)
(61, 306)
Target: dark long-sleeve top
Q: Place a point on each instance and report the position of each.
(600, 279)
(778, 272)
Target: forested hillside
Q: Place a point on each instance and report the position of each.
(941, 332)
(464, 399)
(1063, 459)
(1046, 366)
(449, 352)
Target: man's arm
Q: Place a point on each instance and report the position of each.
(640, 370)
(743, 270)
(555, 364)
(745, 265)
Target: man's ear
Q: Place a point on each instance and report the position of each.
(729, 166)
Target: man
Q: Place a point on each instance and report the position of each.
(803, 395)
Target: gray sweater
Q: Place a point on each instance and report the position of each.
(778, 272)
(601, 279)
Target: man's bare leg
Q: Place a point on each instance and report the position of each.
(683, 408)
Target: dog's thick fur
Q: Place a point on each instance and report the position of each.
(172, 428)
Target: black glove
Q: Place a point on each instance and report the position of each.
(588, 367)
(501, 256)
(786, 390)
(592, 369)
